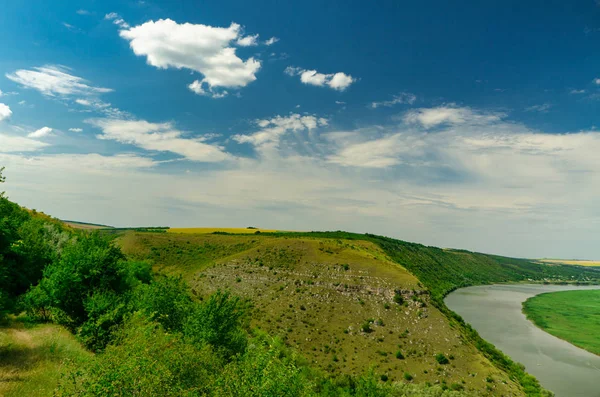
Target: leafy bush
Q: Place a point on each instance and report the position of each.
(145, 361)
(441, 359)
(166, 299)
(265, 370)
(219, 322)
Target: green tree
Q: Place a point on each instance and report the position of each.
(86, 265)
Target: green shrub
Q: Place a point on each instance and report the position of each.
(220, 322)
(398, 298)
(167, 300)
(145, 361)
(441, 359)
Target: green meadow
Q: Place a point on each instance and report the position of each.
(570, 315)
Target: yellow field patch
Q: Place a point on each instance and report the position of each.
(571, 262)
(208, 230)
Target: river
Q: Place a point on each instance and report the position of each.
(495, 311)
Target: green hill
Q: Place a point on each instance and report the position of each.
(332, 297)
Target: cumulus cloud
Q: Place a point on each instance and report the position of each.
(9, 144)
(402, 98)
(450, 115)
(76, 129)
(5, 111)
(273, 129)
(248, 41)
(597, 81)
(52, 80)
(42, 132)
(338, 81)
(271, 41)
(162, 137)
(200, 48)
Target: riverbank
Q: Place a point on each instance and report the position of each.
(495, 311)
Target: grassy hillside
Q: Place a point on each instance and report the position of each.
(570, 315)
(342, 302)
(32, 357)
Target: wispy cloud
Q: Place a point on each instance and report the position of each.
(11, 144)
(450, 114)
(543, 108)
(161, 137)
(402, 98)
(117, 20)
(53, 80)
(271, 41)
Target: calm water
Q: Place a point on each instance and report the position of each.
(495, 312)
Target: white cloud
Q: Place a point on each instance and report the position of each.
(5, 111)
(42, 132)
(271, 41)
(597, 81)
(83, 12)
(478, 182)
(0, 92)
(450, 114)
(198, 88)
(338, 81)
(103, 107)
(248, 41)
(200, 48)
(163, 137)
(377, 153)
(9, 144)
(273, 129)
(543, 108)
(577, 92)
(52, 80)
(117, 20)
(402, 98)
(75, 129)
(71, 27)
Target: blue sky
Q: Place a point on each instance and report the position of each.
(471, 127)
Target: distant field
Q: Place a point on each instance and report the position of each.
(208, 230)
(570, 315)
(86, 226)
(571, 262)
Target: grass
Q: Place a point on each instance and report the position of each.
(209, 230)
(318, 293)
(32, 357)
(570, 315)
